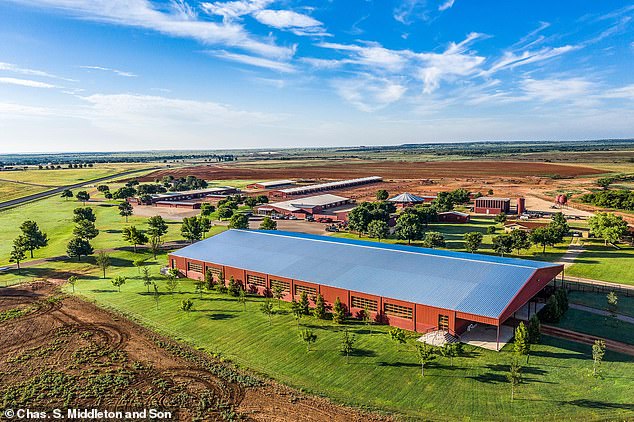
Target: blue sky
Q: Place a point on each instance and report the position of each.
(93, 75)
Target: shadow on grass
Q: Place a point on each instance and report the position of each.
(399, 364)
(525, 369)
(104, 291)
(595, 404)
(220, 316)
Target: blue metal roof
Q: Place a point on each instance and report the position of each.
(472, 283)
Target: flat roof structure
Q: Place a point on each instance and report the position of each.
(302, 190)
(310, 202)
(273, 184)
(470, 284)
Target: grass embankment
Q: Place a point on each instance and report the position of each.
(606, 263)
(454, 238)
(381, 374)
(599, 301)
(597, 325)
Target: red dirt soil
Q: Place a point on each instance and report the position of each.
(387, 170)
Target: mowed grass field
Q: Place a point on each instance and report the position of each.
(13, 190)
(606, 263)
(54, 216)
(380, 374)
(454, 238)
(625, 304)
(64, 176)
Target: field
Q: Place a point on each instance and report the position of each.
(599, 262)
(380, 374)
(388, 169)
(599, 301)
(60, 352)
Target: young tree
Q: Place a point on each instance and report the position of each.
(67, 193)
(82, 196)
(78, 247)
(134, 236)
(118, 281)
(451, 350)
(534, 329)
(187, 305)
(171, 282)
(613, 301)
(242, 298)
(514, 376)
(234, 287)
(308, 337)
(278, 293)
(268, 224)
(125, 210)
(320, 307)
(382, 195)
(297, 310)
(398, 335)
(103, 261)
(598, 351)
(425, 354)
(199, 287)
(472, 241)
(147, 279)
(503, 244)
(18, 252)
(267, 309)
(434, 240)
(157, 227)
(304, 303)
(191, 229)
(155, 244)
(378, 229)
(84, 213)
(366, 317)
(72, 280)
(32, 237)
(86, 230)
(522, 344)
(239, 221)
(338, 312)
(347, 344)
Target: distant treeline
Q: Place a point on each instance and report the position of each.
(617, 199)
(65, 159)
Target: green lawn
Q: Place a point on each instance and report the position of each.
(599, 301)
(597, 325)
(454, 234)
(380, 375)
(66, 176)
(13, 190)
(606, 263)
(54, 215)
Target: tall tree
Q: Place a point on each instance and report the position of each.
(520, 240)
(472, 241)
(425, 354)
(84, 213)
(239, 221)
(103, 261)
(378, 229)
(268, 224)
(191, 229)
(409, 227)
(205, 224)
(134, 236)
(78, 247)
(67, 193)
(543, 236)
(125, 210)
(86, 230)
(608, 226)
(82, 196)
(382, 195)
(18, 252)
(347, 344)
(32, 237)
(503, 244)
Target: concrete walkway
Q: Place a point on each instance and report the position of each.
(574, 249)
(620, 317)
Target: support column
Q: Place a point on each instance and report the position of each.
(497, 339)
(529, 309)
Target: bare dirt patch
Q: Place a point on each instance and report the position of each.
(388, 170)
(62, 352)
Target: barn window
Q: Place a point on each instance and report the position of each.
(361, 302)
(215, 271)
(398, 311)
(256, 280)
(192, 266)
(284, 285)
(304, 289)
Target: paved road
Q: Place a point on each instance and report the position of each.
(41, 195)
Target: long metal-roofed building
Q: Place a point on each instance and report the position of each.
(327, 204)
(321, 187)
(272, 184)
(413, 288)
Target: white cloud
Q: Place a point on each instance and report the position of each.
(253, 61)
(409, 10)
(231, 10)
(10, 67)
(107, 69)
(26, 82)
(298, 23)
(371, 55)
(369, 93)
(511, 60)
(178, 22)
(446, 5)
